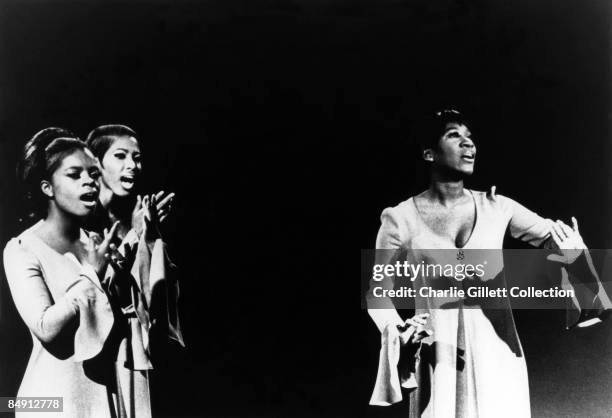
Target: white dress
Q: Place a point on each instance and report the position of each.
(98, 363)
(473, 366)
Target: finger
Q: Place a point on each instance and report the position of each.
(556, 238)
(146, 206)
(159, 195)
(138, 205)
(419, 321)
(153, 212)
(567, 230)
(165, 201)
(131, 252)
(575, 224)
(113, 231)
(559, 231)
(162, 218)
(110, 236)
(559, 224)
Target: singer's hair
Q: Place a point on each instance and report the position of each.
(428, 131)
(100, 139)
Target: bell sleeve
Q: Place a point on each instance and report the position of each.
(388, 248)
(391, 377)
(578, 275)
(83, 303)
(148, 293)
(156, 277)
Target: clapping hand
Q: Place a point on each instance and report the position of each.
(151, 209)
(100, 250)
(163, 203)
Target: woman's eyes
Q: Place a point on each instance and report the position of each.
(94, 174)
(457, 135)
(123, 156)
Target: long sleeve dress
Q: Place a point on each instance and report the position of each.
(88, 348)
(473, 365)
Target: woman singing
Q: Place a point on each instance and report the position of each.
(55, 272)
(472, 365)
(143, 280)
(118, 151)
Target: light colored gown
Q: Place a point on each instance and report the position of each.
(473, 365)
(99, 364)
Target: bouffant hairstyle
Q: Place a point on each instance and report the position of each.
(100, 139)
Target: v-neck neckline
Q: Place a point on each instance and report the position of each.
(69, 255)
(474, 226)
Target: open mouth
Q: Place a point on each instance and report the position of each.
(468, 157)
(89, 199)
(127, 181)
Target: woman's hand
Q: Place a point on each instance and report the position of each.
(567, 240)
(82, 293)
(151, 210)
(98, 249)
(163, 204)
(138, 215)
(413, 331)
(120, 261)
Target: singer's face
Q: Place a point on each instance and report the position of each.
(73, 186)
(456, 150)
(121, 166)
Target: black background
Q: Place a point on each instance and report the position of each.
(281, 125)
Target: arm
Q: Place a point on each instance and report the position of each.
(160, 287)
(45, 317)
(579, 274)
(524, 224)
(395, 332)
(388, 239)
(382, 310)
(577, 270)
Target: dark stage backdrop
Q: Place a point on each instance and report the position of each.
(281, 125)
